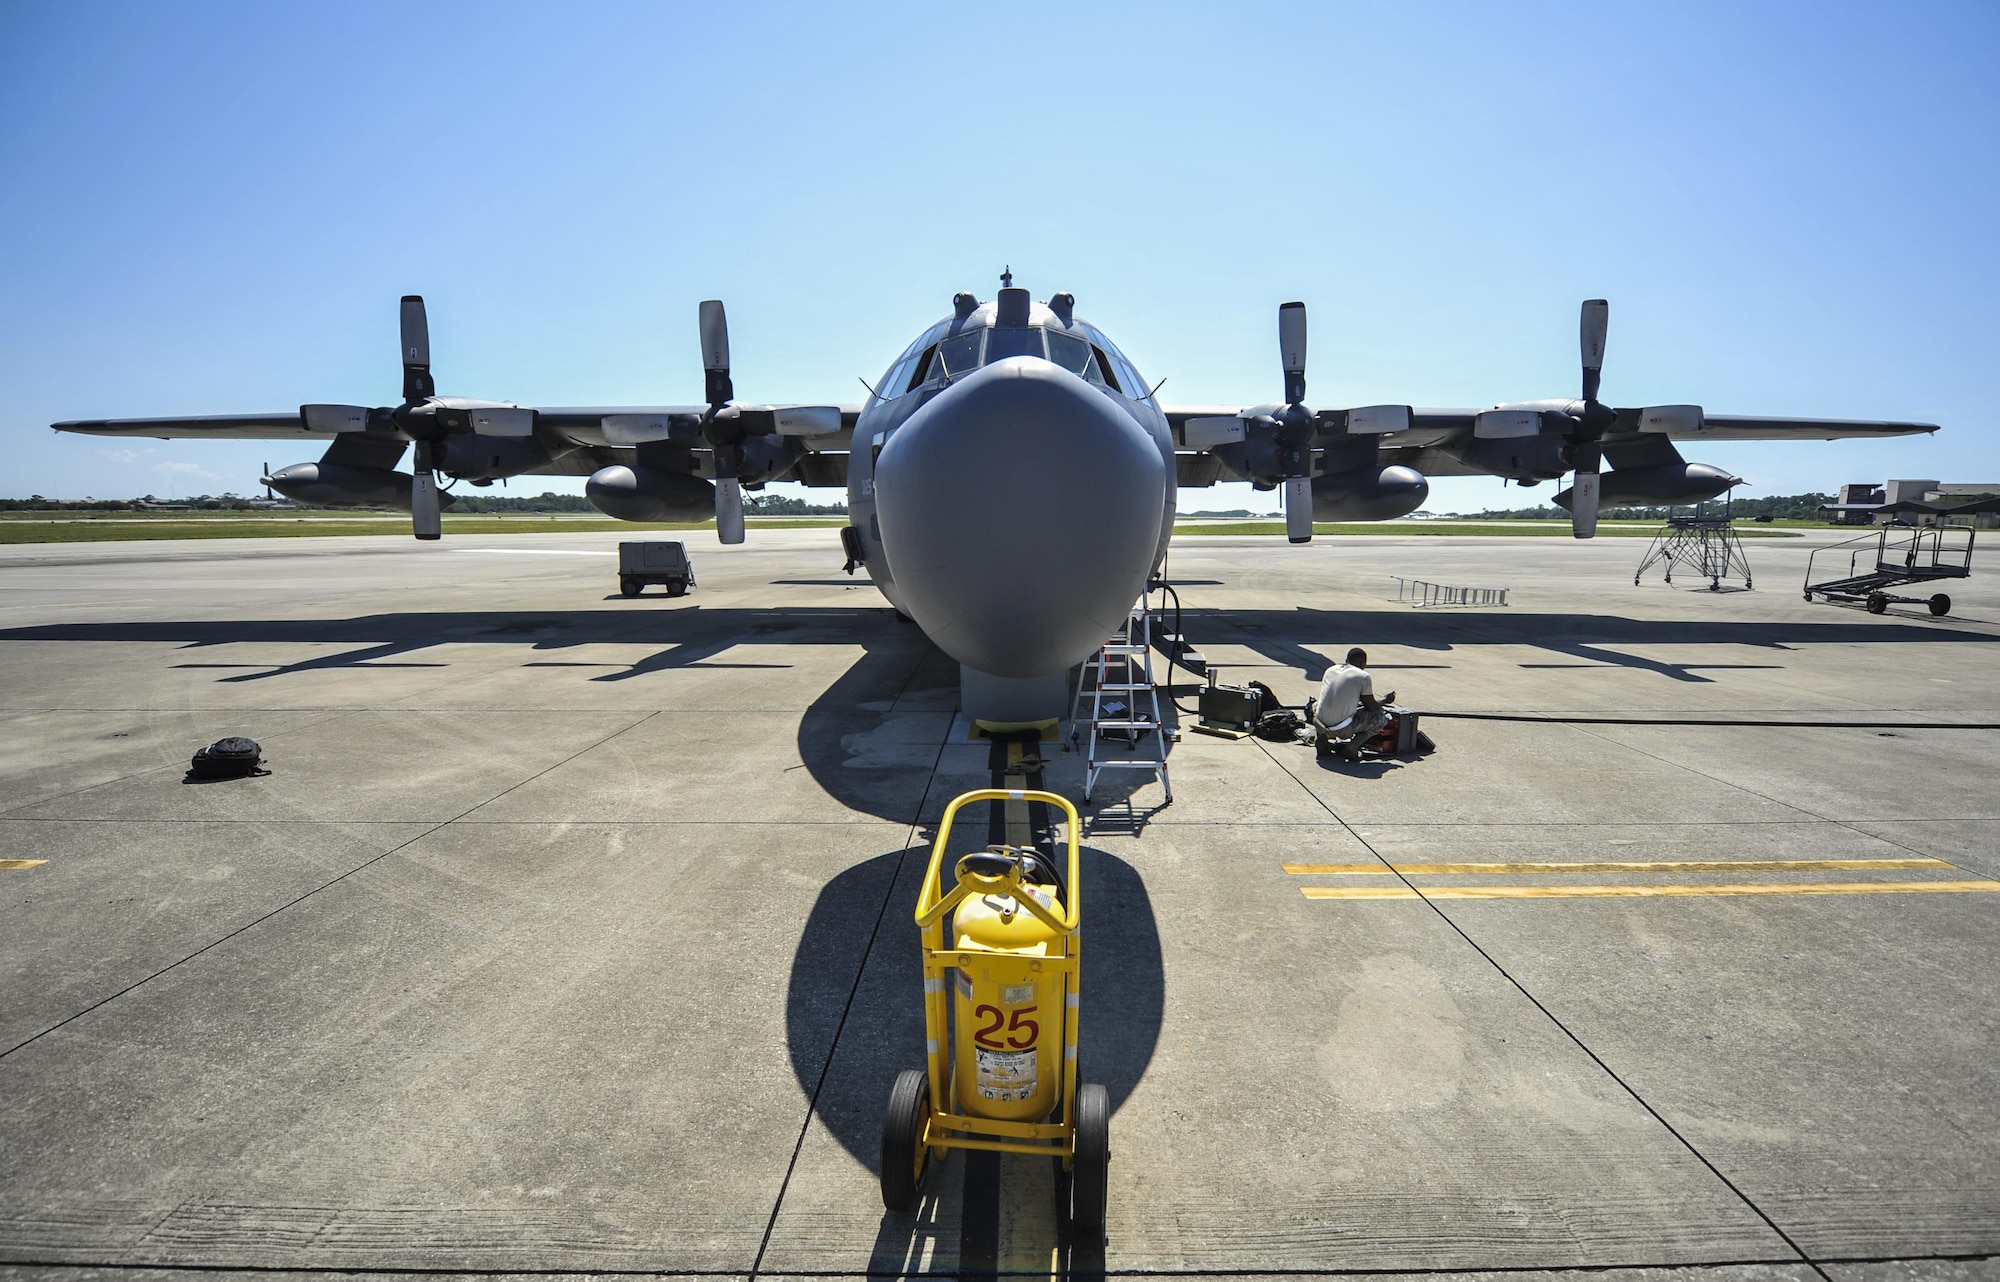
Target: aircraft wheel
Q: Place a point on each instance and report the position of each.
(904, 1156)
(630, 587)
(1877, 603)
(1940, 604)
(1090, 1169)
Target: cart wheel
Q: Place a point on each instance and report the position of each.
(1877, 603)
(1808, 598)
(1940, 604)
(630, 587)
(1090, 1169)
(677, 589)
(903, 1155)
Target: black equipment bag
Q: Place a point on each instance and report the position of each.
(230, 758)
(1280, 725)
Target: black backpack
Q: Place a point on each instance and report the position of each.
(231, 758)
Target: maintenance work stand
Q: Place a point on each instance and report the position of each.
(1903, 554)
(1706, 546)
(1124, 704)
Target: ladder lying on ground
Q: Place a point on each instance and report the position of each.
(1122, 674)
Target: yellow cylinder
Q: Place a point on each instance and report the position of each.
(1008, 1011)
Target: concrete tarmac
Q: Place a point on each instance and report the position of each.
(571, 934)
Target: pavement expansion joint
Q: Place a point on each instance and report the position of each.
(628, 999)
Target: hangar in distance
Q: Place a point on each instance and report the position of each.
(1011, 478)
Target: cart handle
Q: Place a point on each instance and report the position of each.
(931, 906)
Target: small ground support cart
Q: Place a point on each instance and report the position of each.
(1903, 554)
(643, 563)
(1001, 1003)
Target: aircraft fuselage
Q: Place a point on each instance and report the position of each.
(1012, 486)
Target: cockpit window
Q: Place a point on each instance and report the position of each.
(1069, 351)
(960, 356)
(1135, 383)
(927, 367)
(1105, 368)
(1002, 343)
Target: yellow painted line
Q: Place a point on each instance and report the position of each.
(12, 864)
(1652, 892)
(1014, 812)
(1357, 892)
(1660, 865)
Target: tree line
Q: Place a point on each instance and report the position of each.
(1777, 507)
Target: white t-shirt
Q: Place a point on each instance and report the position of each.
(1340, 694)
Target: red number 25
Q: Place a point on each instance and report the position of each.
(1026, 1030)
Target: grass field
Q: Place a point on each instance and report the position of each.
(68, 527)
(95, 527)
(1494, 529)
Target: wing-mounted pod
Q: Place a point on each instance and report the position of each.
(357, 470)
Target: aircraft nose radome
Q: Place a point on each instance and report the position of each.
(1020, 511)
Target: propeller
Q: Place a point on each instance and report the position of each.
(1296, 425)
(266, 478)
(419, 387)
(1586, 456)
(723, 423)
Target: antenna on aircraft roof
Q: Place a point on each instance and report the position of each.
(1006, 278)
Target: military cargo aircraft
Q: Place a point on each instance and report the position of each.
(1011, 479)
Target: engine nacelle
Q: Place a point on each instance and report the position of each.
(1369, 494)
(338, 485)
(649, 494)
(474, 457)
(1526, 459)
(1664, 484)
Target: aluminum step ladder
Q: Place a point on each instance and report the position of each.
(1123, 673)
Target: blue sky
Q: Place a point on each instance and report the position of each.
(214, 207)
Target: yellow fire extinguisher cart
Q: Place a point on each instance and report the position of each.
(1001, 960)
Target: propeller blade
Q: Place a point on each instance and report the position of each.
(1595, 320)
(728, 509)
(266, 478)
(715, 351)
(417, 383)
(424, 520)
(1292, 344)
(1299, 509)
(1583, 495)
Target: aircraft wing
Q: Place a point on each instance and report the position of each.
(287, 425)
(578, 425)
(1746, 427)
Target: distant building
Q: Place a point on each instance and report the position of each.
(1857, 504)
(1918, 502)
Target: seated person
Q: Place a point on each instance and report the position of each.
(1347, 710)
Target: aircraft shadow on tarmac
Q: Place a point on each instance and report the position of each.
(1585, 640)
(897, 659)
